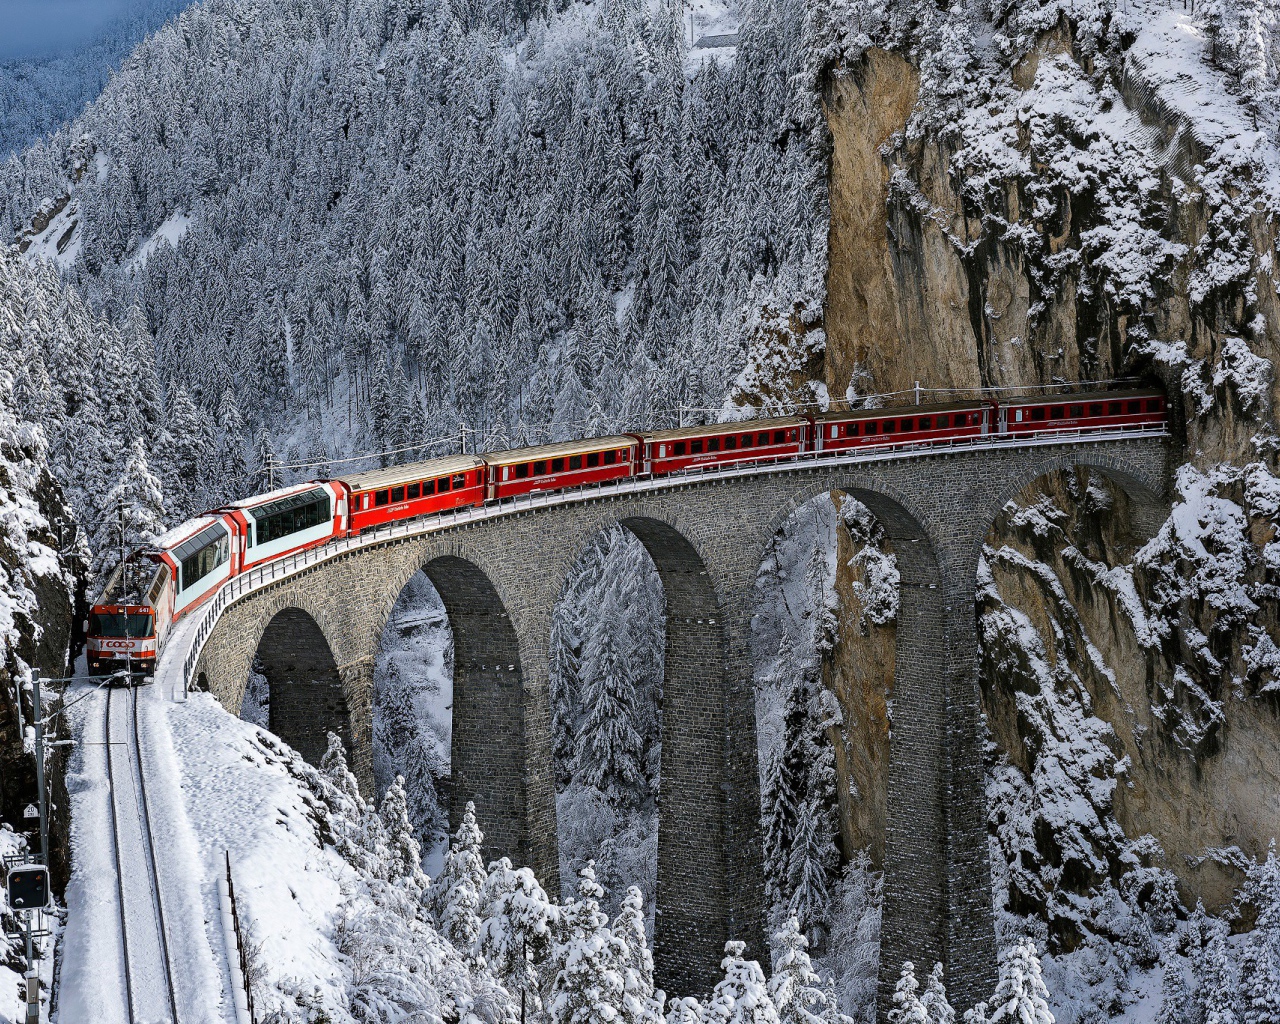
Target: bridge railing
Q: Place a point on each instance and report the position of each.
(262, 575)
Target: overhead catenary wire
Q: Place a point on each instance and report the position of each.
(484, 440)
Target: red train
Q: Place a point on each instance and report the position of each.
(155, 587)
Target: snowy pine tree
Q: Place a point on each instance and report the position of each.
(138, 504)
(798, 994)
(742, 995)
(453, 898)
(1020, 996)
(907, 1007)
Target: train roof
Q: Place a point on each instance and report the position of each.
(184, 531)
(280, 492)
(898, 410)
(555, 451)
(130, 584)
(1085, 396)
(376, 478)
(716, 429)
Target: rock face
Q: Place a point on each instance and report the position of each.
(1149, 647)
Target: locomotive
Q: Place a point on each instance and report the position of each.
(155, 587)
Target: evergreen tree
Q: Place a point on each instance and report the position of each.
(907, 1007)
(610, 750)
(590, 986)
(267, 474)
(741, 996)
(1020, 996)
(404, 860)
(453, 898)
(797, 992)
(138, 503)
(641, 1004)
(935, 999)
(517, 926)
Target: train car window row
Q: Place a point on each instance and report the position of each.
(289, 515)
(201, 555)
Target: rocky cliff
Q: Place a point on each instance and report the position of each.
(1060, 201)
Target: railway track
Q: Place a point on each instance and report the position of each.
(148, 971)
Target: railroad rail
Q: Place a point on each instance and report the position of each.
(245, 583)
(143, 934)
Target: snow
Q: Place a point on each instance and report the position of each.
(60, 241)
(1170, 56)
(170, 233)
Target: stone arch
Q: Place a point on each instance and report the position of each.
(488, 757)
(1142, 484)
(308, 699)
(937, 893)
(693, 914)
(708, 870)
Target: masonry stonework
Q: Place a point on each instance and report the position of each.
(316, 635)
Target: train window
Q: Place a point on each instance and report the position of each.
(539, 467)
(677, 448)
(575, 461)
(610, 458)
(871, 428)
(522, 471)
(201, 555)
(695, 447)
(506, 472)
(713, 445)
(779, 436)
(413, 491)
(1077, 411)
(397, 494)
(730, 443)
(1037, 414)
(557, 465)
(851, 430)
(944, 422)
(926, 422)
(1114, 408)
(442, 485)
(762, 438)
(890, 426)
(1058, 412)
(1095, 409)
(908, 425)
(428, 487)
(459, 481)
(381, 498)
(1135, 407)
(1153, 405)
(593, 460)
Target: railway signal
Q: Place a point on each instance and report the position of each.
(28, 891)
(28, 887)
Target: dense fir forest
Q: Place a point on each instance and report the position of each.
(41, 91)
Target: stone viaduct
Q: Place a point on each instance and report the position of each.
(317, 633)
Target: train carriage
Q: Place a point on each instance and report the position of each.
(1095, 410)
(269, 526)
(553, 467)
(414, 489)
(669, 451)
(838, 431)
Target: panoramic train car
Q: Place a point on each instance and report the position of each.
(912, 424)
(415, 489)
(553, 467)
(271, 525)
(1095, 410)
(669, 451)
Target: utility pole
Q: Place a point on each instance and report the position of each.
(40, 803)
(33, 975)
